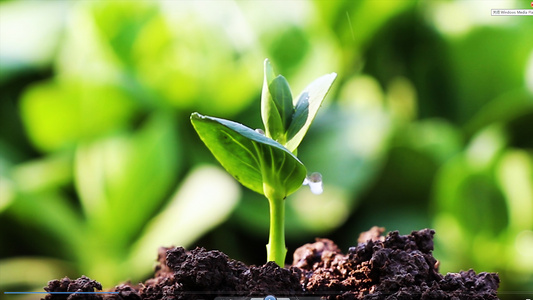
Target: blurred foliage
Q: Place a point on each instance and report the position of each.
(429, 125)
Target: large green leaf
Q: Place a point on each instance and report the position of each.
(253, 159)
(307, 105)
(134, 170)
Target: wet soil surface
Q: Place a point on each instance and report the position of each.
(379, 267)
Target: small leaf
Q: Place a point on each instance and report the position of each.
(301, 112)
(281, 93)
(314, 94)
(276, 105)
(253, 159)
(272, 121)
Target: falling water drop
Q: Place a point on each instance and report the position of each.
(315, 183)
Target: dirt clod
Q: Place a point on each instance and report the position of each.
(82, 284)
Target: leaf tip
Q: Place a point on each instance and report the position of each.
(269, 72)
(332, 76)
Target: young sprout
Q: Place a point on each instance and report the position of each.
(265, 160)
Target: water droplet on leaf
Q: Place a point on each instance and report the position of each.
(314, 181)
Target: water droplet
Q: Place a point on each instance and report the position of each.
(261, 131)
(314, 181)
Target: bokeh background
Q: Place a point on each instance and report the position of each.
(429, 124)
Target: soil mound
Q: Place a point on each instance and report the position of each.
(380, 267)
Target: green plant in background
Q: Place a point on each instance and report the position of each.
(265, 162)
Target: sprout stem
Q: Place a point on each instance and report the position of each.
(276, 250)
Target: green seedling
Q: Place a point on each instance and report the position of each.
(265, 161)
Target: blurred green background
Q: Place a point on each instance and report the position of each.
(429, 124)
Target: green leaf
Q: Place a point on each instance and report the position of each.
(301, 113)
(54, 112)
(307, 106)
(276, 105)
(112, 172)
(282, 96)
(271, 118)
(256, 161)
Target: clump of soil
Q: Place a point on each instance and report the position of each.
(379, 267)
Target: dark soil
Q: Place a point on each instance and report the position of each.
(392, 267)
